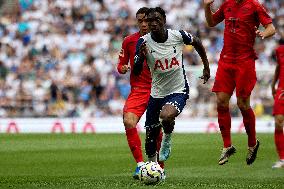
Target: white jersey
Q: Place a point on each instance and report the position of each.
(165, 61)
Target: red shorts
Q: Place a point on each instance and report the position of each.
(279, 102)
(240, 76)
(137, 102)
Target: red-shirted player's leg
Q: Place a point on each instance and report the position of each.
(279, 135)
(278, 112)
(249, 123)
(224, 86)
(224, 117)
(130, 121)
(245, 82)
(224, 120)
(248, 119)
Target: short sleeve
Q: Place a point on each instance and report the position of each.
(186, 37)
(262, 14)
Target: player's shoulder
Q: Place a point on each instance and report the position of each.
(132, 37)
(174, 33)
(179, 33)
(146, 37)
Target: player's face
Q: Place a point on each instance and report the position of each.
(156, 22)
(142, 23)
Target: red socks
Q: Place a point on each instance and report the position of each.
(249, 123)
(279, 142)
(224, 120)
(134, 143)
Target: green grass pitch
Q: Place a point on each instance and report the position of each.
(104, 161)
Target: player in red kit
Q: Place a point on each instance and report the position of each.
(278, 110)
(236, 67)
(137, 100)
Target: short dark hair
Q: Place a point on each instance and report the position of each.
(157, 9)
(142, 10)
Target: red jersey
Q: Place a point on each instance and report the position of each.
(127, 53)
(240, 22)
(280, 61)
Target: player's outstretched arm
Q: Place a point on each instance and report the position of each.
(197, 44)
(139, 56)
(268, 32)
(123, 59)
(208, 13)
(189, 39)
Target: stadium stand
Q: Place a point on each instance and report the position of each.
(58, 57)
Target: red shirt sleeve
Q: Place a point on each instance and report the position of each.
(219, 16)
(262, 14)
(123, 58)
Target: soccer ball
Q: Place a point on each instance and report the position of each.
(151, 173)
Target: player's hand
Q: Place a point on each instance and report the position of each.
(208, 2)
(206, 75)
(259, 33)
(273, 91)
(143, 50)
(124, 69)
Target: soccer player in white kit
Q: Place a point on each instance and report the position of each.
(170, 89)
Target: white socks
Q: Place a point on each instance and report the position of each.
(139, 164)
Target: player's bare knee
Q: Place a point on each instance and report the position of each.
(243, 103)
(279, 124)
(243, 106)
(129, 123)
(222, 103)
(166, 118)
(168, 115)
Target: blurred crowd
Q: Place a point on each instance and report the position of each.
(58, 57)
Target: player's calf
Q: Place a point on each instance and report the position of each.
(152, 133)
(167, 118)
(168, 126)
